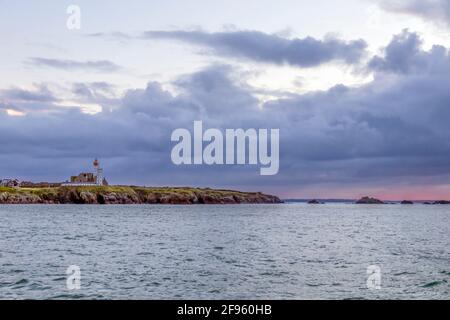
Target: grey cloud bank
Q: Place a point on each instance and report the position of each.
(268, 48)
(432, 10)
(393, 131)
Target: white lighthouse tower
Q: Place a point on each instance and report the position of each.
(99, 172)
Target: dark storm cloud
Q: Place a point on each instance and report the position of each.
(437, 11)
(97, 65)
(268, 48)
(391, 130)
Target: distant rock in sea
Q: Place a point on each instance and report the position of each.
(314, 202)
(441, 202)
(407, 202)
(437, 202)
(369, 200)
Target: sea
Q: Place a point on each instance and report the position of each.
(286, 251)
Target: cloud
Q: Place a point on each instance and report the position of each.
(267, 48)
(385, 135)
(97, 92)
(97, 65)
(116, 36)
(436, 10)
(40, 94)
(405, 55)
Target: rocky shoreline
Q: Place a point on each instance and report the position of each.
(130, 195)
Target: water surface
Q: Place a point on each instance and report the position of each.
(289, 251)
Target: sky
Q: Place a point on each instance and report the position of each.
(358, 88)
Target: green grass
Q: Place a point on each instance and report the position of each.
(122, 189)
(40, 191)
(8, 190)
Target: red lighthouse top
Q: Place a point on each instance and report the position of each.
(96, 163)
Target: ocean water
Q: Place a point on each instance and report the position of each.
(289, 251)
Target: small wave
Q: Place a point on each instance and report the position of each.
(59, 279)
(145, 253)
(314, 285)
(405, 273)
(434, 284)
(21, 281)
(214, 291)
(17, 271)
(274, 273)
(69, 296)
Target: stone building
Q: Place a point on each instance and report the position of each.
(84, 178)
(95, 178)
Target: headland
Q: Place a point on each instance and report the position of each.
(130, 195)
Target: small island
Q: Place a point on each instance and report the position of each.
(369, 200)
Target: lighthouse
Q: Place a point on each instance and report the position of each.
(99, 172)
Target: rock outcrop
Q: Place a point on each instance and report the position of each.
(446, 202)
(441, 202)
(407, 202)
(314, 202)
(369, 200)
(130, 195)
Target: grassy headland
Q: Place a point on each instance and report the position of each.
(129, 195)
